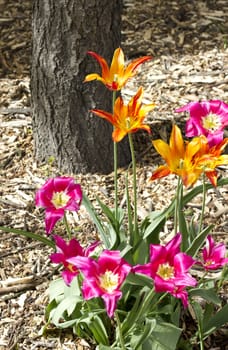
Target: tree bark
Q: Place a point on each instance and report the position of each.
(63, 126)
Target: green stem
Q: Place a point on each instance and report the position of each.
(220, 283)
(177, 205)
(201, 280)
(129, 212)
(200, 336)
(159, 300)
(115, 160)
(203, 204)
(134, 186)
(116, 180)
(120, 331)
(67, 226)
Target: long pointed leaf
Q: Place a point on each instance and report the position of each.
(91, 211)
(198, 241)
(32, 235)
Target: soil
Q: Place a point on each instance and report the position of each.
(189, 45)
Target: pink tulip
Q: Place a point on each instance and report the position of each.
(214, 255)
(168, 267)
(65, 251)
(58, 195)
(103, 278)
(207, 118)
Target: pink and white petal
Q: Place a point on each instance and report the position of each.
(181, 294)
(109, 260)
(110, 301)
(185, 280)
(57, 258)
(182, 263)
(90, 289)
(88, 266)
(60, 243)
(143, 269)
(215, 138)
(51, 217)
(68, 276)
(88, 251)
(162, 285)
(61, 183)
(74, 248)
(193, 128)
(173, 246)
(43, 198)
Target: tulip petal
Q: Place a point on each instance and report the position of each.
(51, 217)
(160, 172)
(102, 62)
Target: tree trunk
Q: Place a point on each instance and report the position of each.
(63, 32)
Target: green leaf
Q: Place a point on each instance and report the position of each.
(139, 280)
(73, 289)
(96, 326)
(31, 235)
(198, 241)
(110, 214)
(104, 347)
(132, 316)
(192, 194)
(56, 289)
(157, 221)
(209, 295)
(64, 309)
(164, 336)
(142, 334)
(96, 220)
(216, 321)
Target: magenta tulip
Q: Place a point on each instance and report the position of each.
(214, 255)
(207, 118)
(103, 278)
(65, 251)
(58, 195)
(169, 267)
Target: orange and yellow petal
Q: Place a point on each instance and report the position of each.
(104, 66)
(93, 76)
(105, 115)
(118, 134)
(161, 171)
(176, 143)
(163, 149)
(130, 70)
(190, 176)
(197, 144)
(117, 65)
(212, 176)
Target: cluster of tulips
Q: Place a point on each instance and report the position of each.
(127, 287)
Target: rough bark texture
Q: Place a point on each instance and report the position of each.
(63, 32)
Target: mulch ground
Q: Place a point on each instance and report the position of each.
(189, 43)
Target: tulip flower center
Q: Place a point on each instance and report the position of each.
(109, 281)
(165, 271)
(60, 199)
(209, 262)
(211, 122)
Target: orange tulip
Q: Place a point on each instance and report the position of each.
(127, 118)
(115, 77)
(189, 160)
(211, 157)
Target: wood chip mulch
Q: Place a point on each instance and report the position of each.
(189, 43)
